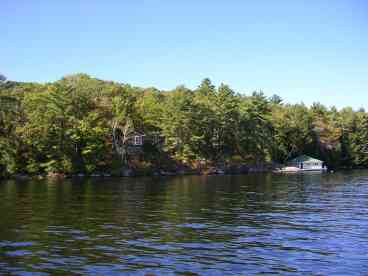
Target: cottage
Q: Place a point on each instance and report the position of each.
(137, 140)
(307, 163)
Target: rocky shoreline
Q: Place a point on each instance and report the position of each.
(208, 170)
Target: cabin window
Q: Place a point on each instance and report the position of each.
(138, 141)
(155, 139)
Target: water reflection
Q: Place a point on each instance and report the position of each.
(261, 223)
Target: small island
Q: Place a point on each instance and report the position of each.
(80, 126)
(184, 138)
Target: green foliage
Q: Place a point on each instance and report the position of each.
(255, 131)
(293, 131)
(69, 127)
(178, 118)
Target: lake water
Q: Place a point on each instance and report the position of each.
(312, 223)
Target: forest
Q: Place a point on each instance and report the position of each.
(81, 124)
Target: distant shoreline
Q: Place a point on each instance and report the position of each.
(215, 172)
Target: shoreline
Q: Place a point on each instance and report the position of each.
(130, 173)
(157, 174)
(207, 171)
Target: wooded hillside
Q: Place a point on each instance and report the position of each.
(67, 126)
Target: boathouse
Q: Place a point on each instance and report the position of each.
(307, 163)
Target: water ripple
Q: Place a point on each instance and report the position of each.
(314, 224)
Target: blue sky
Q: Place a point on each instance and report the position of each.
(306, 51)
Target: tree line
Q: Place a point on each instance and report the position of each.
(68, 127)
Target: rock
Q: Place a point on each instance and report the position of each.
(219, 171)
(21, 176)
(56, 175)
(165, 173)
(95, 175)
(127, 172)
(182, 172)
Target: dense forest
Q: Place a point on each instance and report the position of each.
(81, 124)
